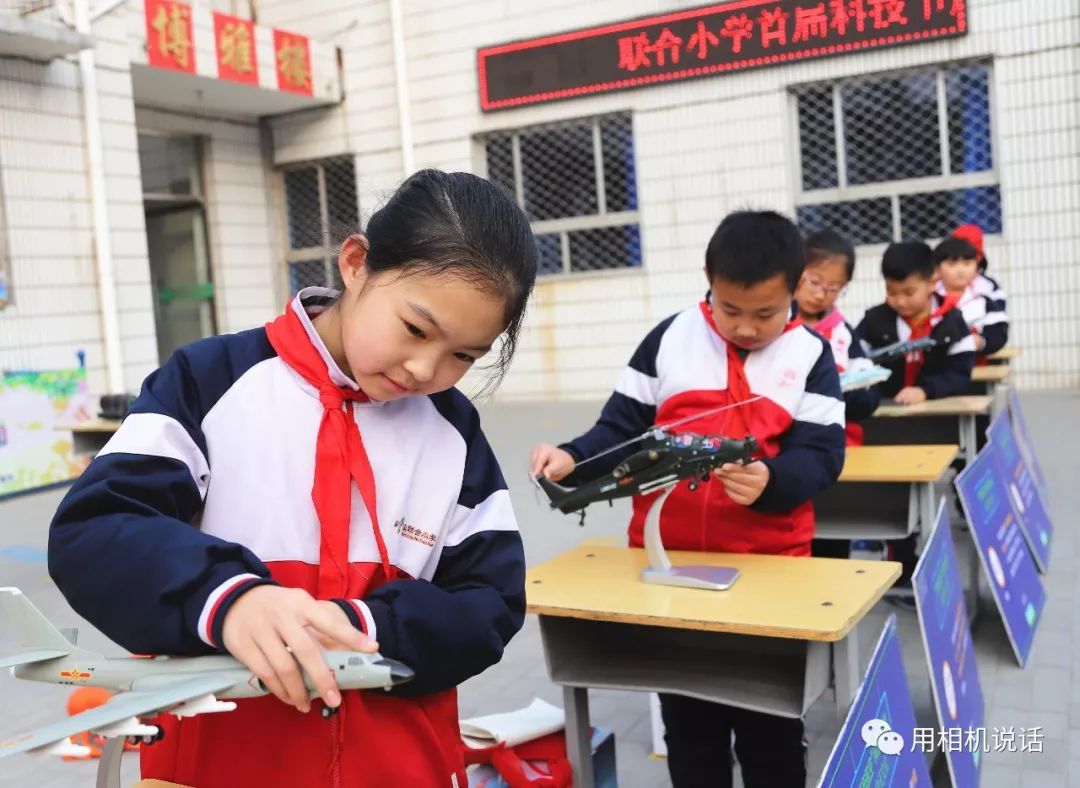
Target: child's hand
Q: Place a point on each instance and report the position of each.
(276, 631)
(911, 395)
(980, 343)
(744, 484)
(551, 461)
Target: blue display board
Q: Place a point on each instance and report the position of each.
(1024, 444)
(950, 652)
(875, 744)
(1023, 491)
(1003, 551)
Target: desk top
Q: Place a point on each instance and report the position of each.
(775, 596)
(992, 373)
(91, 425)
(977, 405)
(897, 463)
(1005, 354)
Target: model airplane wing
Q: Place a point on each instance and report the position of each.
(120, 709)
(863, 375)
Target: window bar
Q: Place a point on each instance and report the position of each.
(324, 221)
(895, 202)
(943, 122)
(838, 127)
(564, 250)
(598, 167)
(519, 181)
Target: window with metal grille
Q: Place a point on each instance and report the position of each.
(899, 156)
(577, 182)
(321, 211)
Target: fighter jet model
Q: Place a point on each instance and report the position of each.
(863, 375)
(664, 459)
(182, 686)
(897, 349)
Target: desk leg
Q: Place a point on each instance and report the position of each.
(997, 399)
(846, 669)
(578, 735)
(108, 773)
(969, 442)
(927, 510)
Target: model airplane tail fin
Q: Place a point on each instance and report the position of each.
(36, 637)
(554, 492)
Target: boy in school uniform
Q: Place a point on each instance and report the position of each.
(912, 310)
(735, 346)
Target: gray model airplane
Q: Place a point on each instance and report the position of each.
(183, 686)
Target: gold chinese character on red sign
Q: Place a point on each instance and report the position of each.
(234, 40)
(169, 37)
(293, 61)
(235, 47)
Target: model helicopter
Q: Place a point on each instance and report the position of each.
(897, 349)
(665, 458)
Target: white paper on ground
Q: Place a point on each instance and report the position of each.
(513, 727)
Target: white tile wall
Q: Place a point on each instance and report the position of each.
(706, 147)
(703, 148)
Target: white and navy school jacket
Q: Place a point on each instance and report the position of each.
(206, 490)
(983, 307)
(681, 369)
(859, 404)
(946, 369)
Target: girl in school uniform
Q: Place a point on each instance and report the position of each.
(961, 270)
(319, 482)
(830, 266)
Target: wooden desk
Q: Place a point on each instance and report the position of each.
(764, 644)
(1005, 355)
(885, 492)
(990, 373)
(88, 437)
(939, 421)
(991, 380)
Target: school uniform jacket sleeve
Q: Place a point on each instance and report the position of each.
(812, 451)
(453, 627)
(629, 411)
(122, 546)
(953, 377)
(859, 404)
(995, 323)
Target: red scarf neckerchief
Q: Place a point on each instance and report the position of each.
(914, 360)
(340, 457)
(546, 756)
(735, 422)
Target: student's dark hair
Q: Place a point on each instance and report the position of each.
(458, 223)
(750, 247)
(828, 243)
(954, 249)
(907, 258)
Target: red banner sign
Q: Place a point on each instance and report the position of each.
(731, 36)
(170, 41)
(292, 60)
(234, 43)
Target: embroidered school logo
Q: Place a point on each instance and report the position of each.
(880, 735)
(412, 532)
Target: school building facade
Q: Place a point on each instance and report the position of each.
(172, 170)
